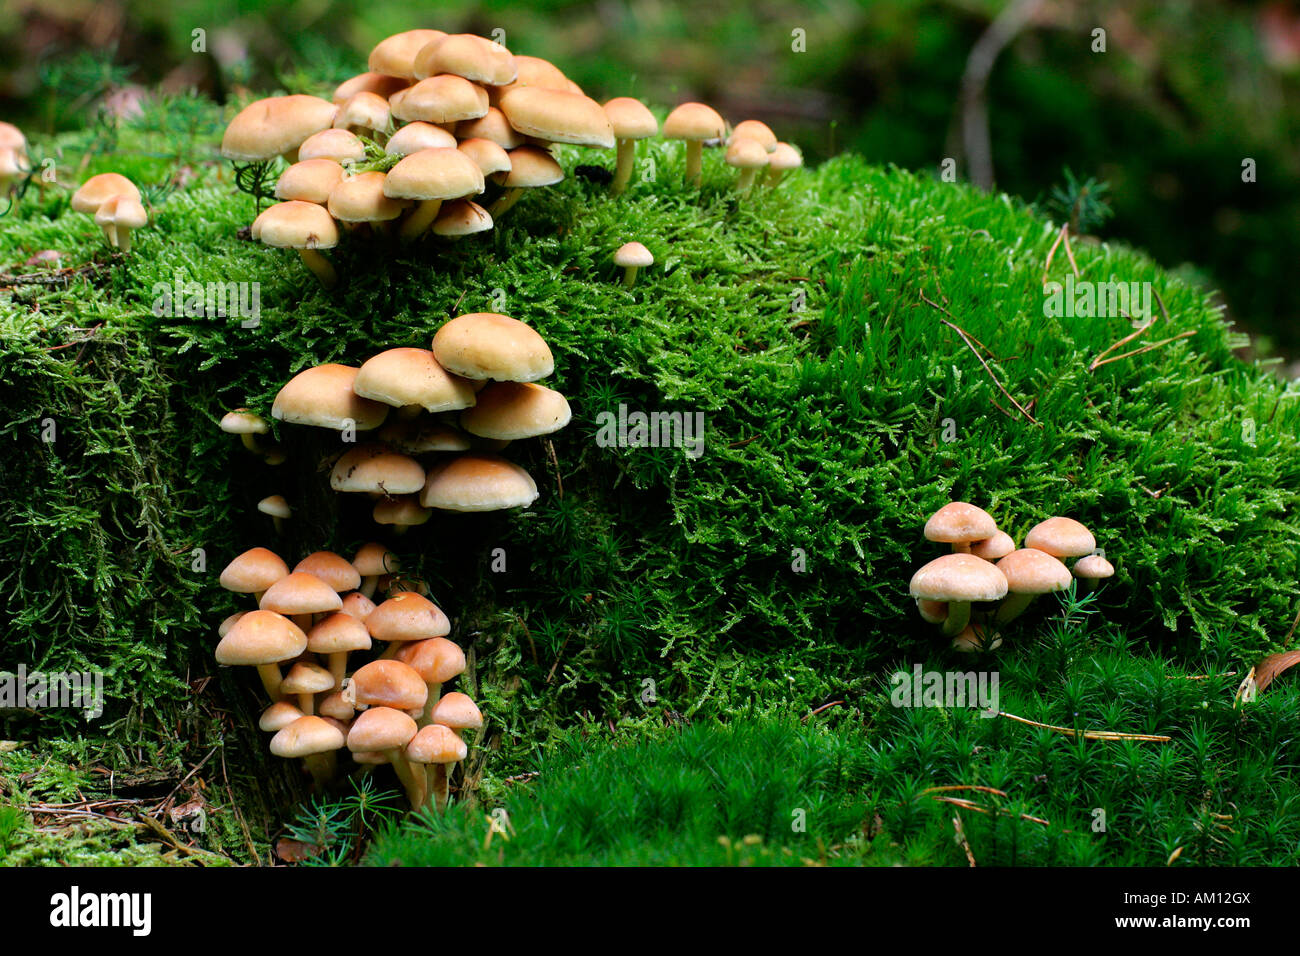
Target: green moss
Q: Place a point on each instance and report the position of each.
(795, 320)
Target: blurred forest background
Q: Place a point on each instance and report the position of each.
(1183, 93)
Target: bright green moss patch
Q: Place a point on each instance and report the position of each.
(769, 572)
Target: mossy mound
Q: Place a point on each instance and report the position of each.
(773, 567)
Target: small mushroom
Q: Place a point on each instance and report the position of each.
(262, 639)
(990, 549)
(336, 636)
(431, 751)
(630, 257)
(304, 226)
(253, 572)
(631, 121)
(958, 579)
(305, 680)
(278, 509)
(1029, 573)
(315, 741)
(780, 161)
(960, 524)
(749, 157)
(119, 217)
(373, 560)
(694, 123)
(1090, 569)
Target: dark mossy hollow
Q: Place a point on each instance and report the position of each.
(805, 323)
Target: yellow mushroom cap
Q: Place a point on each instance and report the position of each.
(366, 110)
(483, 345)
(278, 716)
(243, 422)
(462, 217)
(437, 660)
(457, 711)
(395, 55)
(403, 511)
(492, 126)
(1093, 566)
(97, 190)
(630, 118)
(307, 678)
(340, 145)
(959, 522)
(438, 173)
(694, 121)
(746, 154)
(254, 570)
(784, 157)
(276, 506)
(306, 736)
(338, 633)
(300, 593)
(490, 157)
(530, 168)
(445, 98)
(261, 637)
(369, 82)
(513, 410)
(756, 130)
(323, 396)
(379, 729)
(1030, 571)
(269, 127)
(416, 136)
(377, 468)
(1061, 538)
(558, 117)
(469, 56)
(411, 376)
(333, 569)
(633, 254)
(309, 181)
(436, 743)
(361, 198)
(407, 616)
(373, 559)
(388, 683)
(296, 225)
(992, 548)
(959, 577)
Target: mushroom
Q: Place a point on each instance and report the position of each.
(431, 751)
(464, 54)
(974, 639)
(262, 639)
(400, 512)
(118, 217)
(488, 345)
(416, 136)
(461, 217)
(780, 161)
(253, 572)
(224, 627)
(443, 99)
(371, 561)
(361, 199)
(557, 116)
(246, 425)
(478, 482)
(458, 713)
(429, 177)
(437, 661)
(1061, 538)
(420, 436)
(300, 595)
(304, 226)
(959, 524)
(339, 145)
(412, 379)
(358, 605)
(958, 579)
(749, 157)
(388, 731)
(278, 509)
(377, 469)
(314, 740)
(275, 126)
(490, 157)
(630, 257)
(369, 82)
(1090, 569)
(509, 411)
(1029, 573)
(278, 716)
(367, 112)
(336, 708)
(395, 55)
(323, 396)
(631, 121)
(305, 680)
(531, 167)
(756, 130)
(406, 616)
(694, 123)
(491, 126)
(336, 636)
(334, 570)
(990, 549)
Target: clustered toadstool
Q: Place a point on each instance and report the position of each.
(986, 567)
(428, 96)
(308, 624)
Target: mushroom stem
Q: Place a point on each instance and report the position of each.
(250, 442)
(426, 716)
(368, 585)
(958, 618)
(307, 704)
(270, 674)
(420, 219)
(746, 179)
(774, 177)
(320, 266)
(124, 239)
(623, 167)
(1012, 607)
(694, 162)
(503, 202)
(279, 525)
(338, 661)
(438, 786)
(322, 766)
(961, 547)
(110, 234)
(402, 767)
(303, 621)
(629, 276)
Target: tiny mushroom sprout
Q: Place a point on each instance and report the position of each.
(262, 639)
(1090, 569)
(531, 167)
(437, 661)
(631, 257)
(488, 345)
(430, 176)
(304, 226)
(475, 482)
(631, 120)
(960, 524)
(958, 579)
(119, 217)
(514, 410)
(411, 379)
(388, 731)
(694, 123)
(780, 161)
(371, 561)
(323, 396)
(431, 751)
(335, 637)
(377, 469)
(314, 740)
(749, 157)
(1061, 538)
(304, 681)
(301, 595)
(278, 509)
(247, 426)
(253, 572)
(1029, 573)
(990, 549)
(276, 126)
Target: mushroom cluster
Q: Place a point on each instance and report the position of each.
(115, 203)
(390, 710)
(438, 121)
(986, 568)
(436, 420)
